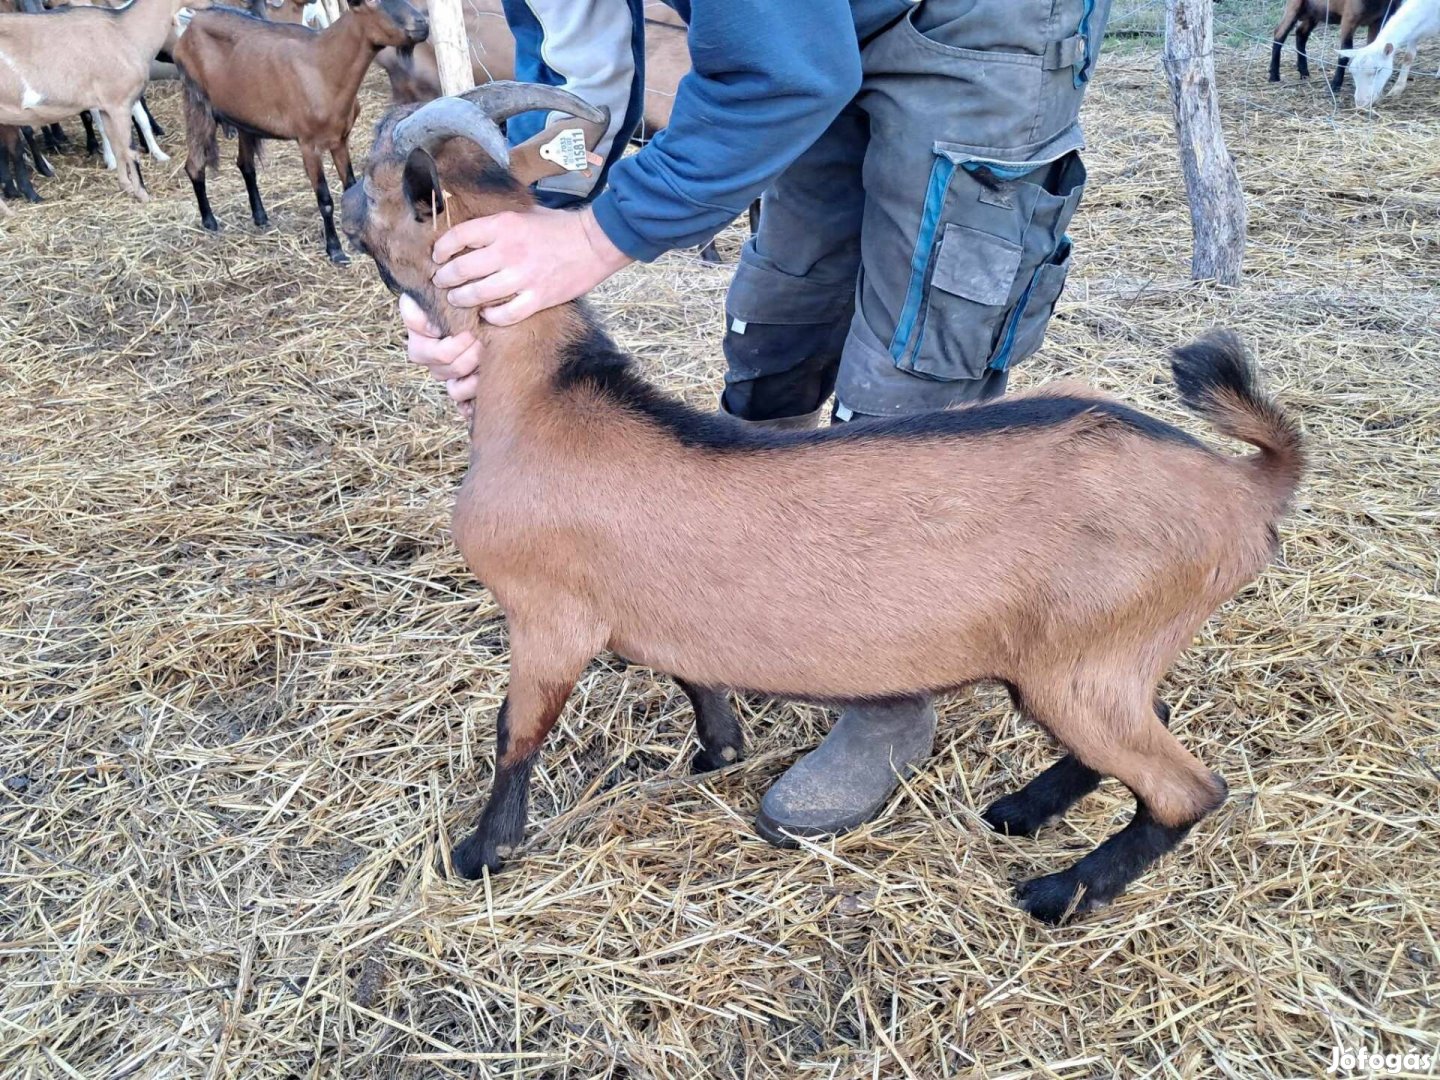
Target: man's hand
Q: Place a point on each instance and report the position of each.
(452, 360)
(513, 264)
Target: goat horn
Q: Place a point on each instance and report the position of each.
(446, 118)
(502, 100)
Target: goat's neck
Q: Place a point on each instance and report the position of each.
(346, 54)
(146, 24)
(519, 364)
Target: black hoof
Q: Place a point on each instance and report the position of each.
(708, 254)
(1014, 816)
(33, 197)
(43, 167)
(339, 258)
(210, 224)
(1050, 898)
(475, 854)
(1274, 78)
(261, 220)
(708, 760)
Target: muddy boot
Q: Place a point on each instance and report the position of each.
(847, 779)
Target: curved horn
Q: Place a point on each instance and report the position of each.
(446, 118)
(502, 100)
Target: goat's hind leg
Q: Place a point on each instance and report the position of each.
(117, 129)
(1302, 47)
(1282, 31)
(245, 160)
(315, 170)
(721, 741)
(1173, 791)
(42, 164)
(1046, 798)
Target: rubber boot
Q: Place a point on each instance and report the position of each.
(785, 423)
(847, 779)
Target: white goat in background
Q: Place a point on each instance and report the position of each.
(1371, 67)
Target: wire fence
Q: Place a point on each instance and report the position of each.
(1244, 32)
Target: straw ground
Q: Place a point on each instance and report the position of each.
(247, 690)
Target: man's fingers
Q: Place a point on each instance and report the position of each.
(423, 349)
(517, 310)
(415, 319)
(463, 391)
(475, 233)
(487, 290)
(471, 266)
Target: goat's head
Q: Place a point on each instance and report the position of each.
(390, 22)
(445, 162)
(1371, 69)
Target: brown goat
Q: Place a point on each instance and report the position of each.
(280, 81)
(1060, 542)
(1303, 16)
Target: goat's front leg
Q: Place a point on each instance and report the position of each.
(1402, 80)
(315, 170)
(539, 686)
(721, 741)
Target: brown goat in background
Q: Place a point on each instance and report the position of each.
(280, 81)
(1057, 541)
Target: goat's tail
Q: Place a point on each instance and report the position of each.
(200, 142)
(1216, 379)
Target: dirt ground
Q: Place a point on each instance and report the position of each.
(247, 689)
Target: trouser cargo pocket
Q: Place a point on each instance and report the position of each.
(989, 264)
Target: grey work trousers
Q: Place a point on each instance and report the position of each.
(915, 252)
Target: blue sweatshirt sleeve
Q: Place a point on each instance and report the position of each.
(767, 78)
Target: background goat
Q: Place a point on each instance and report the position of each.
(277, 81)
(1303, 16)
(1060, 542)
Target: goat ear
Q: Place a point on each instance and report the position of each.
(421, 185)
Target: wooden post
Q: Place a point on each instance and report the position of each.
(452, 49)
(1217, 203)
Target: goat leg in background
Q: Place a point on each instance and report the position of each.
(15, 173)
(150, 118)
(41, 165)
(53, 137)
(145, 134)
(116, 123)
(1348, 26)
(93, 145)
(245, 160)
(315, 170)
(340, 155)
